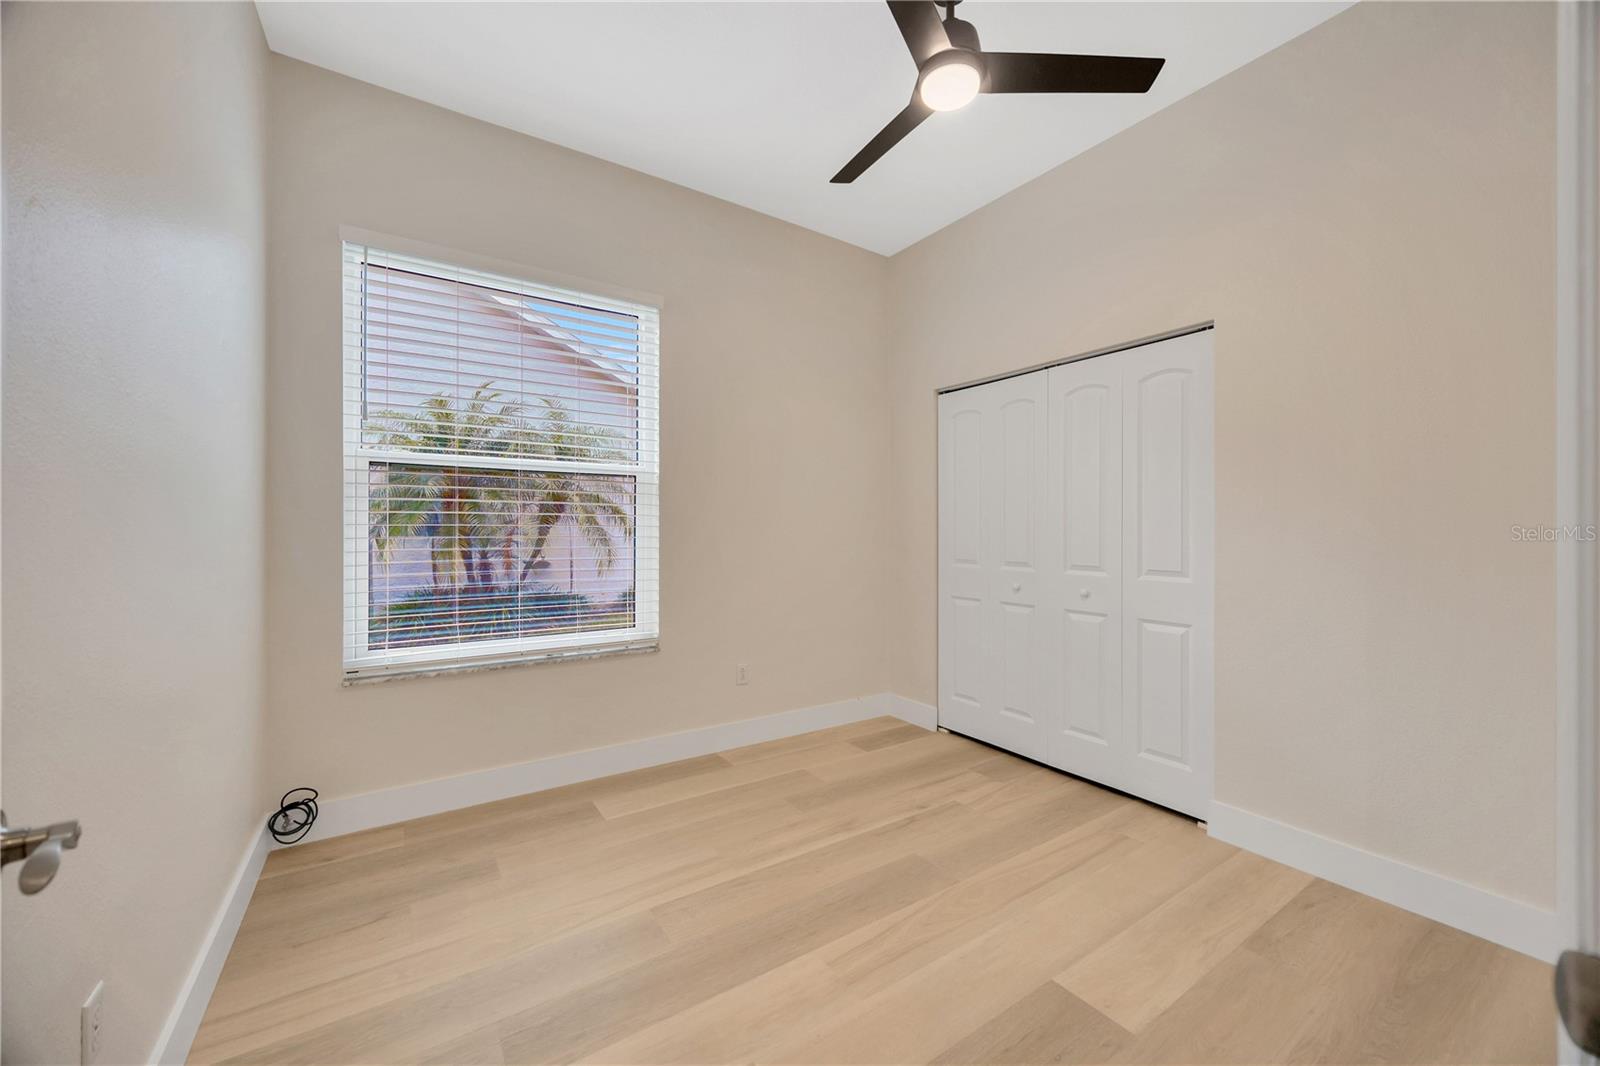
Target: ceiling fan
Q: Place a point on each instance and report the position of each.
(952, 69)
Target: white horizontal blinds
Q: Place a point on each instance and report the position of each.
(459, 358)
(501, 467)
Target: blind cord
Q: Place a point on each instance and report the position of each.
(293, 818)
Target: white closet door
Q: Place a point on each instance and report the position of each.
(1075, 568)
(1167, 558)
(1083, 560)
(993, 640)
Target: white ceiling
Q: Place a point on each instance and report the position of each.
(760, 103)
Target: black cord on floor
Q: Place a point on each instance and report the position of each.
(293, 818)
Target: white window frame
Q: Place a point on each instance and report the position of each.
(362, 663)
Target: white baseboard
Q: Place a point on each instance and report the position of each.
(184, 1021)
(369, 810)
(917, 713)
(1516, 925)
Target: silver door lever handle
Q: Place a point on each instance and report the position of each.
(39, 851)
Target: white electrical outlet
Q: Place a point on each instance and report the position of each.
(91, 1019)
(741, 676)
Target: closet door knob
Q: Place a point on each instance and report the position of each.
(1016, 586)
(1083, 594)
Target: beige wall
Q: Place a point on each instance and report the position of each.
(134, 355)
(774, 437)
(1367, 213)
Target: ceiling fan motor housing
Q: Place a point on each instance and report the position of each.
(964, 48)
(967, 56)
(962, 33)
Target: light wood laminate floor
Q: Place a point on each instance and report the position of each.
(868, 894)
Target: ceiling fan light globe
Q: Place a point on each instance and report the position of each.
(950, 85)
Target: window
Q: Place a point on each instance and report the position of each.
(501, 469)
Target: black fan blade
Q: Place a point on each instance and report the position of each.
(887, 138)
(1030, 72)
(920, 26)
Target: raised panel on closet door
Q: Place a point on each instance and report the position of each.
(1083, 560)
(992, 644)
(962, 670)
(1167, 584)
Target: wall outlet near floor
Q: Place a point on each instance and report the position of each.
(741, 675)
(91, 1018)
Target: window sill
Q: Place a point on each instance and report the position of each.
(445, 668)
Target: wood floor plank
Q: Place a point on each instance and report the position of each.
(767, 797)
(257, 1000)
(888, 737)
(351, 845)
(263, 958)
(733, 1025)
(1345, 950)
(793, 880)
(865, 894)
(1002, 767)
(1460, 999)
(871, 779)
(406, 1027)
(663, 793)
(479, 1048)
(237, 1024)
(919, 1016)
(698, 823)
(1013, 832)
(289, 922)
(1246, 1010)
(564, 1029)
(902, 943)
(819, 738)
(1143, 970)
(1048, 1025)
(505, 824)
(562, 903)
(930, 752)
